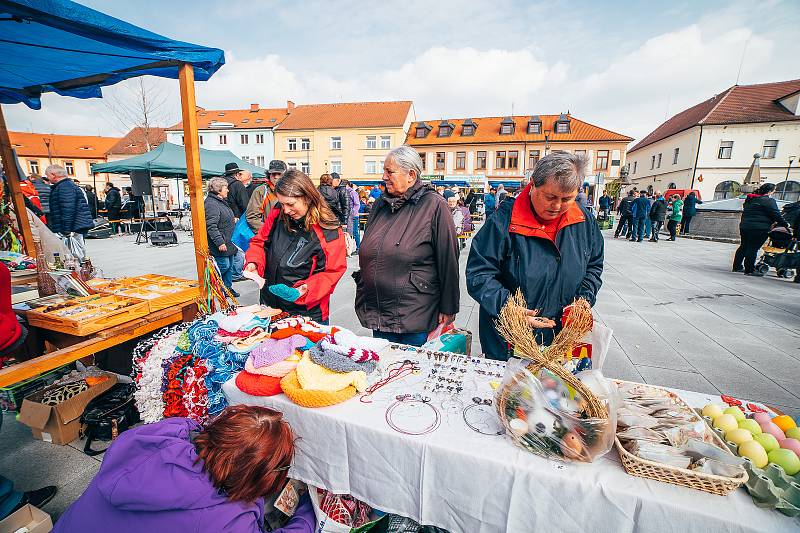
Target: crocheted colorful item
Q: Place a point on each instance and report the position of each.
(195, 393)
(313, 398)
(359, 355)
(173, 395)
(272, 351)
(246, 344)
(149, 397)
(343, 508)
(286, 332)
(345, 337)
(277, 370)
(338, 362)
(290, 294)
(315, 377)
(256, 385)
(184, 344)
(222, 332)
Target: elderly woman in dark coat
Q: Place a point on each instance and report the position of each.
(219, 227)
(408, 282)
(759, 213)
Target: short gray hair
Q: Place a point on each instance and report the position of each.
(568, 170)
(406, 158)
(56, 170)
(215, 185)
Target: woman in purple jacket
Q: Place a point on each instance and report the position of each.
(176, 476)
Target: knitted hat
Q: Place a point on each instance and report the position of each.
(338, 362)
(277, 370)
(272, 351)
(315, 377)
(313, 398)
(256, 385)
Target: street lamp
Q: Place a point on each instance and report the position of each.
(786, 180)
(546, 139)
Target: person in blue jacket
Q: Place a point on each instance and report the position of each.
(69, 211)
(640, 213)
(541, 242)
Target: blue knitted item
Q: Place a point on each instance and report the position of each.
(290, 294)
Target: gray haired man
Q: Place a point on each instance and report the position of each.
(541, 242)
(69, 212)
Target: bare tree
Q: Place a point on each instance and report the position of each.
(140, 104)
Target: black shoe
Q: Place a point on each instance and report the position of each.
(756, 274)
(237, 280)
(234, 293)
(738, 269)
(37, 498)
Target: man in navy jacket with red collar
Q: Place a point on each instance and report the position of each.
(542, 242)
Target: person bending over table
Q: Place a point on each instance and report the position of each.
(542, 242)
(300, 245)
(175, 475)
(407, 284)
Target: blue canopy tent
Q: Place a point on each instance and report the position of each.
(168, 160)
(63, 47)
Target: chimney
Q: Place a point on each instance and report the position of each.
(253, 108)
(289, 106)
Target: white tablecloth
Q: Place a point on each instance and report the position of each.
(466, 482)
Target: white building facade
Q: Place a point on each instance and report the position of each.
(710, 147)
(248, 133)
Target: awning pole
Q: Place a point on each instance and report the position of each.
(193, 174)
(10, 167)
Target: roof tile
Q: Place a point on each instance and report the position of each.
(135, 142)
(488, 131)
(347, 115)
(240, 118)
(77, 146)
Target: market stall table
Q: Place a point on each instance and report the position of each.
(464, 481)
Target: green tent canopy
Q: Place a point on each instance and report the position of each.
(169, 160)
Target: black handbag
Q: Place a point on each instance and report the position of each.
(108, 415)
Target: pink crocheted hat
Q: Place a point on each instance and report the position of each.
(272, 351)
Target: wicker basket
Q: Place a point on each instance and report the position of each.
(636, 466)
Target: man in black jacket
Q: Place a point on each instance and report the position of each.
(342, 197)
(69, 212)
(237, 192)
(113, 204)
(541, 242)
(658, 211)
(625, 218)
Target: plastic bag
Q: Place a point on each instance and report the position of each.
(546, 416)
(242, 234)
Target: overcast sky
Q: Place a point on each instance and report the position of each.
(621, 66)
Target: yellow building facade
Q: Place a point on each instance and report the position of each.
(351, 139)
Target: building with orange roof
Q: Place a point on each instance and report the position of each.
(710, 146)
(351, 139)
(73, 152)
(506, 149)
(248, 133)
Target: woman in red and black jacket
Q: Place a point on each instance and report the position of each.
(300, 245)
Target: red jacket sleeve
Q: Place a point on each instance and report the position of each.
(321, 284)
(255, 253)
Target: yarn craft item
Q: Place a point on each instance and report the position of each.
(272, 351)
(216, 291)
(247, 344)
(256, 385)
(359, 355)
(345, 337)
(338, 362)
(277, 370)
(313, 398)
(290, 294)
(286, 332)
(148, 395)
(315, 377)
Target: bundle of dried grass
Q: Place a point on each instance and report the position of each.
(513, 326)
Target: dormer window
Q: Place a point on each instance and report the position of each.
(562, 124)
(422, 130)
(468, 128)
(507, 126)
(445, 129)
(535, 125)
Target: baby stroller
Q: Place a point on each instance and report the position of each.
(782, 252)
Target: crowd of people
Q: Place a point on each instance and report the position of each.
(642, 214)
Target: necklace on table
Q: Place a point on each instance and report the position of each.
(418, 400)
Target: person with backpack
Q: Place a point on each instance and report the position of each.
(624, 212)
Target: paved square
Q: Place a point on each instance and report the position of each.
(680, 319)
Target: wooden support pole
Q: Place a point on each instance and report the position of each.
(193, 173)
(10, 168)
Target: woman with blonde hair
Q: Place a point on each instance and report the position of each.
(300, 245)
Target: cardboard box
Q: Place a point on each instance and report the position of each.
(33, 519)
(59, 424)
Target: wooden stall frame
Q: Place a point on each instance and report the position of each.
(13, 178)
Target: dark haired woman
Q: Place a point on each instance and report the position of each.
(759, 213)
(177, 476)
(300, 245)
